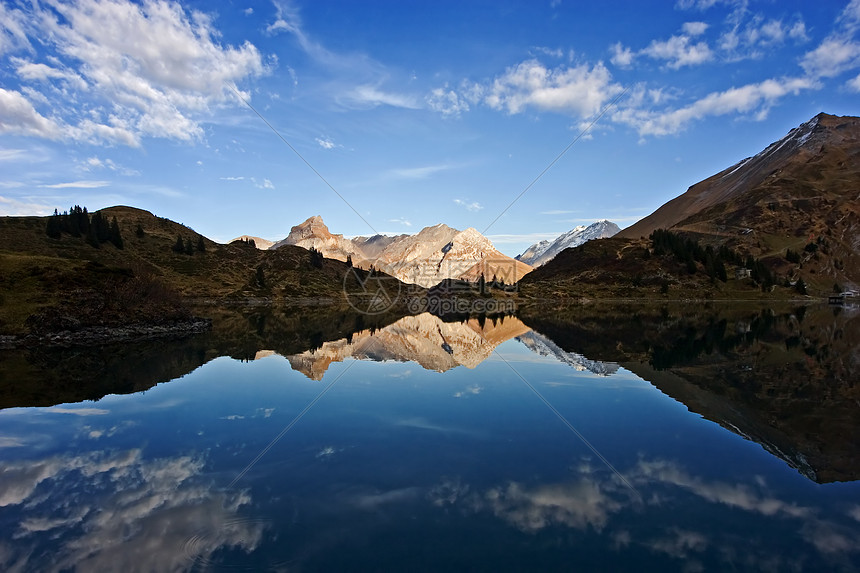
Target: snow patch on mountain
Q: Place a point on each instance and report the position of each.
(544, 251)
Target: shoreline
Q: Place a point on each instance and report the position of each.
(101, 335)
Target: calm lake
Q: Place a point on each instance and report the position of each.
(618, 438)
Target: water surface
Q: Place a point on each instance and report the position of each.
(633, 440)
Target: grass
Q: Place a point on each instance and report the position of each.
(38, 273)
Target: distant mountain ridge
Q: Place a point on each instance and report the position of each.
(544, 251)
(426, 258)
(260, 243)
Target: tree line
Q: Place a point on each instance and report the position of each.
(713, 260)
(186, 247)
(77, 222)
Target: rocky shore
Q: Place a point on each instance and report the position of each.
(98, 335)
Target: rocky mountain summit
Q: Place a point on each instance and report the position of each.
(426, 258)
(544, 251)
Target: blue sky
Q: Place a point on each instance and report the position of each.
(413, 113)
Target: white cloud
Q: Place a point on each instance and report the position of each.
(77, 185)
(327, 143)
(849, 19)
(579, 90)
(248, 11)
(446, 101)
(832, 57)
(553, 53)
(621, 56)
(698, 4)
(772, 31)
(144, 70)
(754, 99)
(798, 31)
(12, 207)
(19, 117)
(264, 184)
(418, 172)
(41, 72)
(401, 221)
(679, 51)
(357, 80)
(13, 36)
(372, 96)
(95, 162)
(473, 206)
(854, 85)
(839, 52)
(694, 28)
(12, 154)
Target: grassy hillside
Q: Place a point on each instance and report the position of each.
(65, 282)
(634, 269)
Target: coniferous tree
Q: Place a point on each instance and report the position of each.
(54, 226)
(800, 286)
(99, 228)
(201, 244)
(92, 237)
(139, 231)
(114, 235)
(189, 247)
(316, 258)
(179, 245)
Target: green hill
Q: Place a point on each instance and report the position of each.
(65, 283)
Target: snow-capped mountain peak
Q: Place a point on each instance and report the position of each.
(541, 252)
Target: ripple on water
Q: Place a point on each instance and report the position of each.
(244, 533)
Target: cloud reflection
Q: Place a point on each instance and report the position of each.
(119, 511)
(595, 501)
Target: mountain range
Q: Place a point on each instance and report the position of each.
(433, 254)
(792, 210)
(426, 258)
(545, 251)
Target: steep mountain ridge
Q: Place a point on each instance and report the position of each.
(546, 250)
(426, 258)
(740, 177)
(314, 234)
(801, 190)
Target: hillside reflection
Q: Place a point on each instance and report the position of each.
(785, 378)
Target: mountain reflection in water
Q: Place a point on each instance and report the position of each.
(394, 459)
